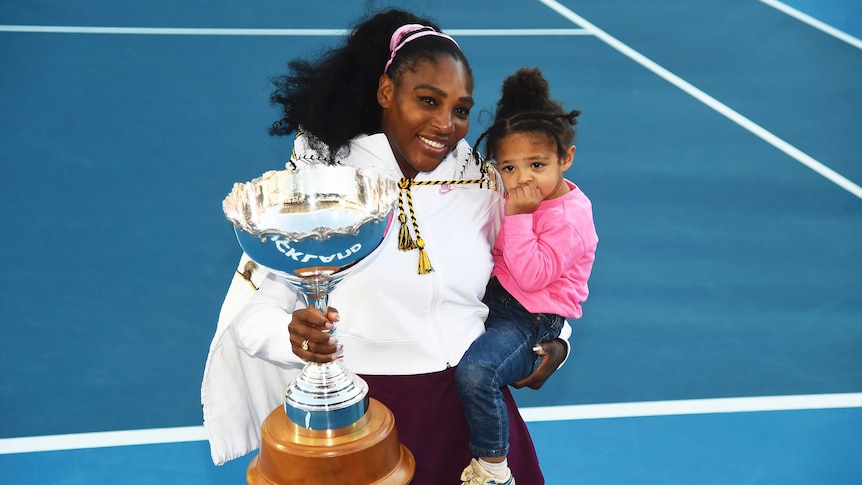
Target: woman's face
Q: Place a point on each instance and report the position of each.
(426, 112)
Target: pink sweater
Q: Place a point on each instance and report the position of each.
(544, 259)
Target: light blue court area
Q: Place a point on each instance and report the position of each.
(788, 448)
(187, 462)
(719, 144)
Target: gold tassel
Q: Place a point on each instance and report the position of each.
(404, 241)
(424, 262)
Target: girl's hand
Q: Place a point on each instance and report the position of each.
(523, 199)
(553, 354)
(308, 326)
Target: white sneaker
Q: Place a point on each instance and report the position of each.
(474, 474)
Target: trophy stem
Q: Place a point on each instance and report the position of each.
(325, 395)
(315, 286)
(321, 302)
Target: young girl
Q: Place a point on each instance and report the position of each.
(543, 256)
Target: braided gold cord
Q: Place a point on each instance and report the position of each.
(449, 182)
(407, 243)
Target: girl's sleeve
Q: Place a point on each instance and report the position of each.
(537, 260)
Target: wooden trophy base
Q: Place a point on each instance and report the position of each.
(366, 452)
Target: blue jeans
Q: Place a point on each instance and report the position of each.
(501, 356)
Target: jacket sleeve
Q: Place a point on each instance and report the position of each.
(537, 260)
(260, 328)
(238, 391)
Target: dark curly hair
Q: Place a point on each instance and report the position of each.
(525, 106)
(335, 97)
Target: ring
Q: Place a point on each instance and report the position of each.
(305, 344)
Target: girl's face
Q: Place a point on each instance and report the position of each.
(426, 112)
(531, 157)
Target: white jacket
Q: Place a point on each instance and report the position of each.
(393, 320)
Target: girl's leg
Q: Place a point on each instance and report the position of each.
(500, 356)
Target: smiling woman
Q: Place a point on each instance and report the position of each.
(403, 328)
(427, 112)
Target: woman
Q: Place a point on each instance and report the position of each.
(400, 90)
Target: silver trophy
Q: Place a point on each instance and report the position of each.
(312, 226)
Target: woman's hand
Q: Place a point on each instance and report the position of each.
(553, 354)
(310, 337)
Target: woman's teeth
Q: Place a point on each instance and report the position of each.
(432, 142)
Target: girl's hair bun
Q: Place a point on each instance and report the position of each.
(525, 90)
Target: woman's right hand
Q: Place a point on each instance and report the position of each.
(309, 325)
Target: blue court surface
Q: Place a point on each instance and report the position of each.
(719, 143)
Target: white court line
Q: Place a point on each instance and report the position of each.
(73, 29)
(102, 439)
(817, 24)
(692, 406)
(535, 414)
(708, 100)
(61, 29)
(516, 32)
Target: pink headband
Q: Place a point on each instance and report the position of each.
(409, 32)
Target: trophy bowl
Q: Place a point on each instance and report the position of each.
(316, 221)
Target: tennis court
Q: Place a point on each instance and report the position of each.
(722, 341)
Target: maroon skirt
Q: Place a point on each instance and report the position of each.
(430, 422)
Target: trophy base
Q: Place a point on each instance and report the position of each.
(366, 452)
